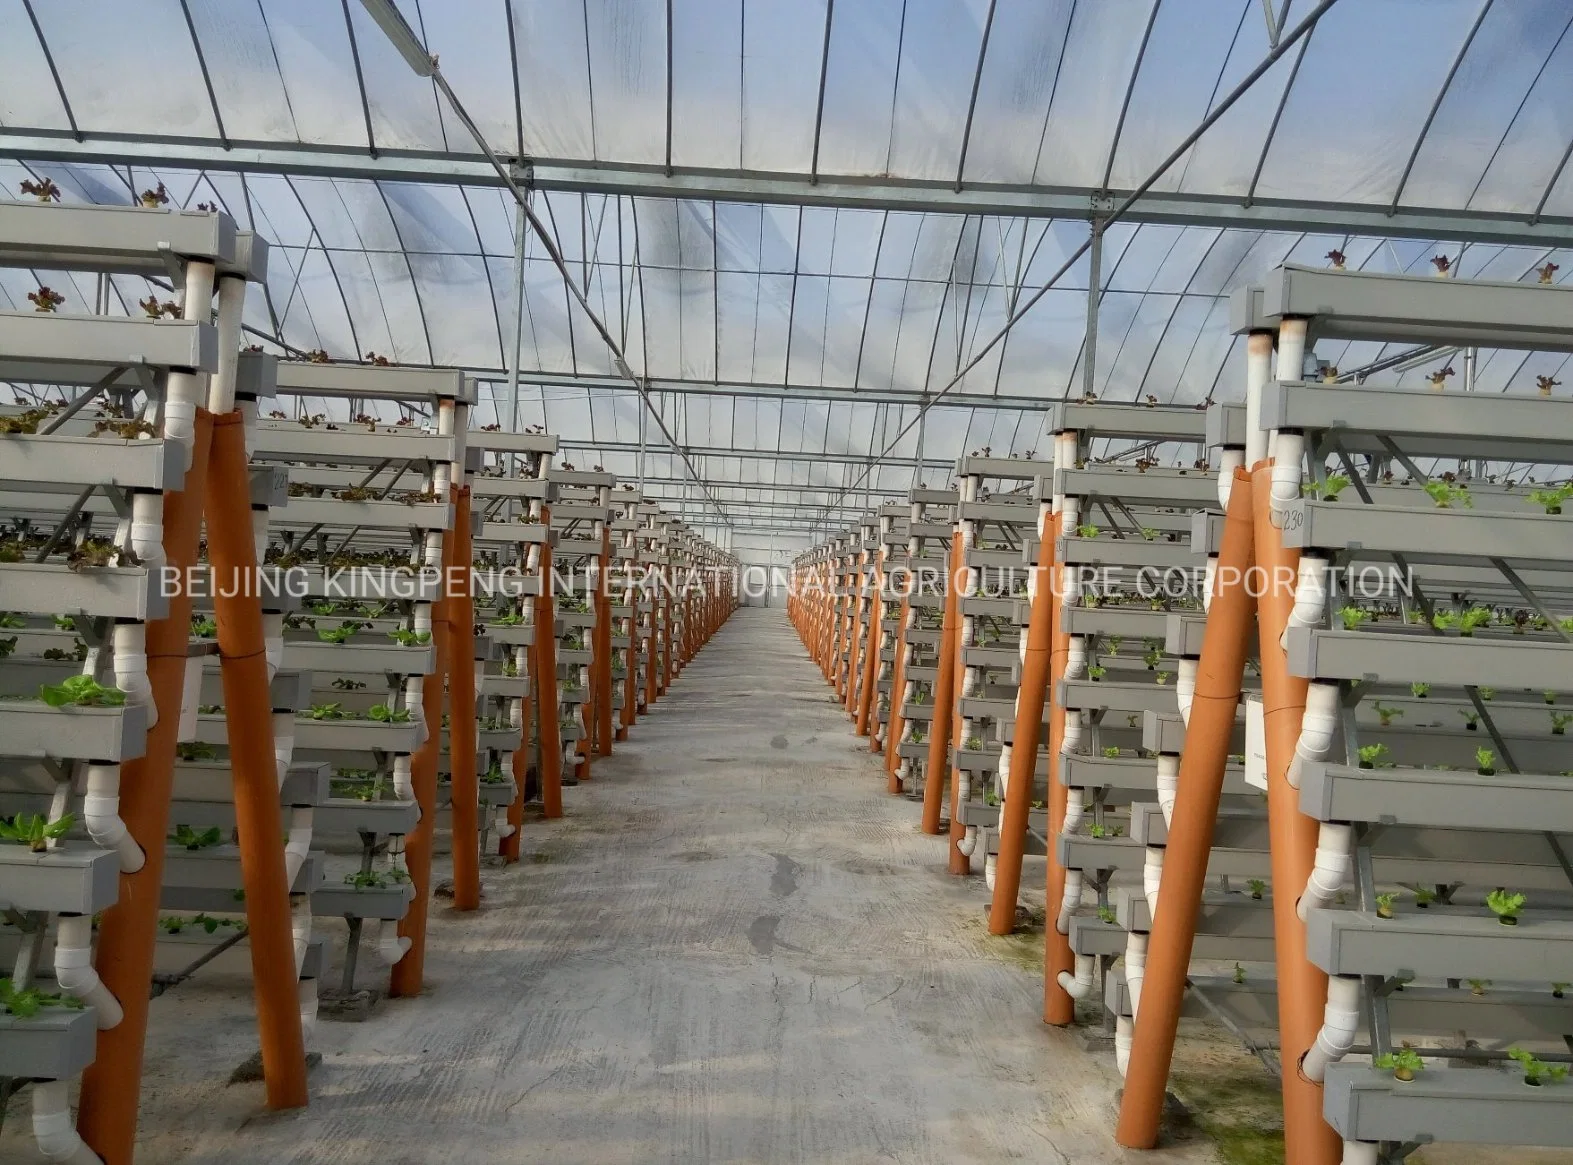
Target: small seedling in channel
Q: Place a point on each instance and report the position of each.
(1106, 914)
(1163, 677)
(1558, 990)
(1551, 499)
(386, 715)
(1537, 1072)
(1112, 752)
(1403, 1063)
(1087, 531)
(1239, 973)
(1423, 897)
(1560, 722)
(80, 692)
(1471, 719)
(1257, 888)
(1384, 905)
(974, 743)
(1385, 713)
(1419, 691)
(339, 635)
(1370, 754)
(1485, 762)
(1505, 905)
(1151, 658)
(1333, 485)
(1478, 986)
(1096, 672)
(1353, 617)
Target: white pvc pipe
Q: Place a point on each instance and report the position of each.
(74, 970)
(231, 311)
(1124, 1036)
(130, 664)
(1331, 871)
(1185, 686)
(283, 743)
(501, 824)
(1076, 657)
(1168, 784)
(259, 532)
(1228, 461)
(1258, 367)
(101, 817)
(1152, 877)
(53, 1127)
(1080, 984)
(146, 533)
(1075, 807)
(1360, 1153)
(300, 927)
(306, 997)
(1340, 1022)
(403, 784)
(1209, 576)
(273, 639)
(1288, 472)
(1310, 594)
(990, 869)
(1004, 770)
(1072, 735)
(1135, 967)
(1316, 728)
(298, 844)
(1069, 901)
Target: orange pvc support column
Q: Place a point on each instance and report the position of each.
(1024, 743)
(543, 683)
(111, 1086)
(871, 651)
(944, 690)
(1302, 986)
(895, 724)
(666, 644)
(464, 780)
(856, 628)
(409, 973)
(249, 720)
(1207, 739)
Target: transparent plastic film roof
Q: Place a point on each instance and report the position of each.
(800, 220)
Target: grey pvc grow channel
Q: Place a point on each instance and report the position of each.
(43, 348)
(1358, 305)
(1468, 1106)
(1436, 942)
(1134, 421)
(118, 592)
(84, 461)
(385, 902)
(1320, 653)
(56, 1044)
(1436, 798)
(315, 655)
(69, 879)
(30, 728)
(1428, 534)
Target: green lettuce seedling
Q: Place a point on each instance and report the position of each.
(1505, 905)
(1537, 1072)
(35, 830)
(80, 692)
(1403, 1063)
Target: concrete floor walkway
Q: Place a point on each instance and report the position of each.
(735, 948)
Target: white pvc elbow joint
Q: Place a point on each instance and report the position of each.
(1316, 728)
(1075, 806)
(1229, 461)
(1135, 968)
(391, 945)
(1360, 1153)
(1069, 901)
(500, 823)
(1152, 877)
(299, 843)
(1185, 686)
(991, 864)
(101, 817)
(1331, 871)
(147, 528)
(75, 974)
(968, 842)
(53, 1127)
(1340, 1022)
(1168, 785)
(1072, 735)
(1288, 453)
(1310, 594)
(1079, 985)
(130, 663)
(1076, 657)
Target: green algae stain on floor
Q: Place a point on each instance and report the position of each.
(1240, 1109)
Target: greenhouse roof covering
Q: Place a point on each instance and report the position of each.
(798, 217)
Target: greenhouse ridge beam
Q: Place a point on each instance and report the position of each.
(794, 189)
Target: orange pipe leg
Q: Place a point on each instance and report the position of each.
(249, 718)
(1302, 986)
(463, 777)
(865, 705)
(601, 678)
(1024, 748)
(944, 692)
(1207, 739)
(409, 973)
(543, 684)
(111, 1086)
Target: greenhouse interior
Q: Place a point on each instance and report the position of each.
(690, 574)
